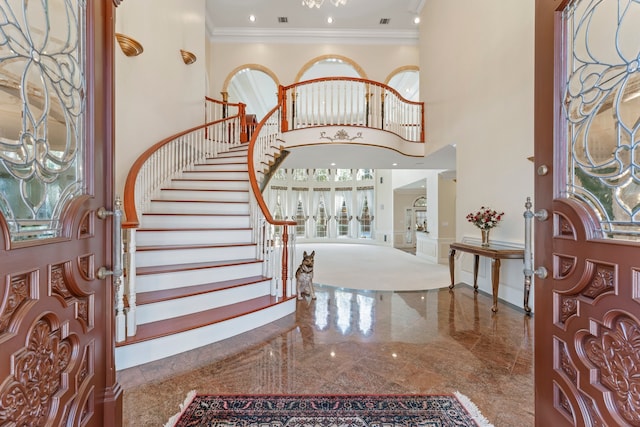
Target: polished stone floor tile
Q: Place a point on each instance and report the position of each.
(354, 341)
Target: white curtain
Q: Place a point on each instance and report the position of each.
(367, 194)
(318, 197)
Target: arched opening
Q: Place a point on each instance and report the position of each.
(255, 86)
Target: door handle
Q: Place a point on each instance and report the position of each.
(541, 215)
(116, 270)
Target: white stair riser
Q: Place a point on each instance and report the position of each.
(185, 256)
(192, 237)
(195, 221)
(226, 158)
(211, 196)
(161, 281)
(147, 351)
(147, 313)
(214, 175)
(235, 167)
(198, 207)
(212, 185)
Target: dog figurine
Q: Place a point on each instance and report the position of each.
(304, 276)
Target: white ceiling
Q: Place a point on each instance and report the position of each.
(358, 20)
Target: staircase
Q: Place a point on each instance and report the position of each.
(198, 277)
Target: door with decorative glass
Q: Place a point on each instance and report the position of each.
(56, 130)
(587, 253)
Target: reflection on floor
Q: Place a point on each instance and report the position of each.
(354, 341)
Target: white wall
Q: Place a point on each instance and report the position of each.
(476, 62)
(383, 220)
(157, 94)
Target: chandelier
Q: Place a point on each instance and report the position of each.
(318, 3)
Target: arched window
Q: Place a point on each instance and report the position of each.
(406, 81)
(254, 86)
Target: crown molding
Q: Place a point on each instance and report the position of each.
(312, 36)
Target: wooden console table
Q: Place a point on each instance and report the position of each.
(496, 253)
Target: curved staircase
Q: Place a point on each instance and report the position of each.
(198, 277)
(205, 259)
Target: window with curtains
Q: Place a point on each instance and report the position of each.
(365, 219)
(364, 174)
(321, 175)
(326, 203)
(301, 220)
(300, 174)
(343, 219)
(321, 220)
(343, 175)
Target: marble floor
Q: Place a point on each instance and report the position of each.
(356, 341)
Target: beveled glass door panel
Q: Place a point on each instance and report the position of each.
(42, 102)
(602, 107)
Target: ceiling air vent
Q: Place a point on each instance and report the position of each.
(282, 19)
(384, 21)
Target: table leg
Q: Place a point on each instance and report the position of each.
(527, 289)
(476, 263)
(495, 280)
(452, 253)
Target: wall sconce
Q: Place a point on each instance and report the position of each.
(187, 57)
(129, 46)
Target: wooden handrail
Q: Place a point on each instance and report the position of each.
(255, 186)
(130, 209)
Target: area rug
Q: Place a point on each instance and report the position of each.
(373, 267)
(328, 411)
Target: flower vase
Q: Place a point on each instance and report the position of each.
(485, 236)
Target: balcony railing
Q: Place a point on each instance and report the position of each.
(353, 102)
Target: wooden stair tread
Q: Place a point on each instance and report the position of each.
(192, 246)
(193, 266)
(175, 325)
(187, 291)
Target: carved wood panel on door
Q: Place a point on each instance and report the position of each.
(56, 148)
(587, 357)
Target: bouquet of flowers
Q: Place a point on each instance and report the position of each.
(485, 218)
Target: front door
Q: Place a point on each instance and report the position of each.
(587, 135)
(56, 132)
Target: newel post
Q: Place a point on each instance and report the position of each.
(422, 122)
(243, 123)
(282, 100)
(285, 256)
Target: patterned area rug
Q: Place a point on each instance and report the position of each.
(328, 411)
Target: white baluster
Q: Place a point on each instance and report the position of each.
(132, 323)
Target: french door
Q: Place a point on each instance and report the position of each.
(56, 148)
(587, 158)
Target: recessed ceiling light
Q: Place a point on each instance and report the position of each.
(252, 18)
(333, 164)
(416, 20)
(330, 20)
(394, 164)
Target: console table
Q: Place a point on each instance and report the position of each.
(496, 253)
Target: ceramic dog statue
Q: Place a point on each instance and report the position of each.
(304, 276)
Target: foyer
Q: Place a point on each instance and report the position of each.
(357, 341)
